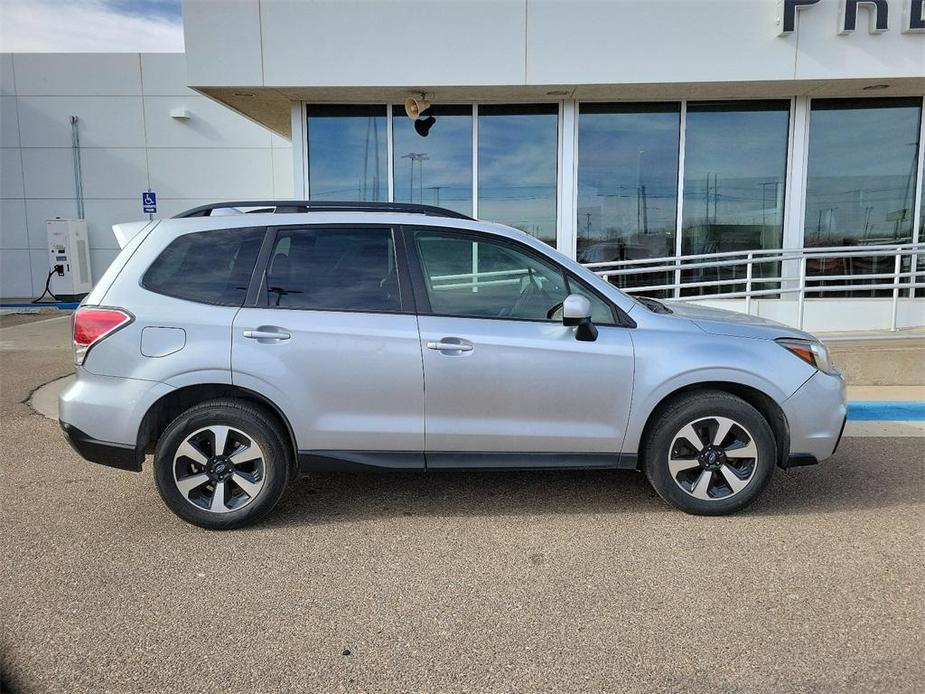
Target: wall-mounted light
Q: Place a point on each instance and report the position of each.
(180, 113)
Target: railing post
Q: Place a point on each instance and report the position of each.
(897, 265)
(802, 301)
(748, 285)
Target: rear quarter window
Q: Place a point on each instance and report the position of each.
(209, 267)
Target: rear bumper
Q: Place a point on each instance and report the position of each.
(118, 455)
(100, 416)
(816, 414)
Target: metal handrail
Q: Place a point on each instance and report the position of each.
(838, 250)
(805, 284)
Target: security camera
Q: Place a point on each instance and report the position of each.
(415, 106)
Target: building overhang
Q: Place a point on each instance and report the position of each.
(272, 106)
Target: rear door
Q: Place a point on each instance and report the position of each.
(504, 377)
(331, 337)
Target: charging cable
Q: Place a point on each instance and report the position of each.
(60, 270)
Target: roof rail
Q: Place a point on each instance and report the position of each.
(296, 206)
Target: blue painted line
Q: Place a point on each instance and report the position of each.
(887, 411)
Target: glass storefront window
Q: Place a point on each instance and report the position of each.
(627, 185)
(347, 153)
(735, 165)
(518, 151)
(437, 169)
(860, 186)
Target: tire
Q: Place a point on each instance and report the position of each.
(678, 446)
(251, 471)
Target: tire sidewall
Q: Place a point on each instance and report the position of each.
(275, 465)
(700, 407)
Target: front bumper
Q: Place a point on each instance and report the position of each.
(816, 413)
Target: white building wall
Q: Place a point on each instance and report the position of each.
(317, 43)
(129, 142)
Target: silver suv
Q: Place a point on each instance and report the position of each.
(243, 350)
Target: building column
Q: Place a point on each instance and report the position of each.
(567, 193)
(795, 191)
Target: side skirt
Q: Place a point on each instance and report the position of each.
(359, 461)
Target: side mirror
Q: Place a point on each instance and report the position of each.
(576, 311)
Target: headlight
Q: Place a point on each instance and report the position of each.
(812, 352)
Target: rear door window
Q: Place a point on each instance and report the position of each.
(209, 267)
(334, 269)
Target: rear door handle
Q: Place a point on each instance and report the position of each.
(265, 333)
(451, 344)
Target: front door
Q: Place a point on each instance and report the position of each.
(502, 374)
(334, 343)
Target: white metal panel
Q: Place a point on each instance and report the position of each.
(9, 122)
(47, 173)
(210, 124)
(374, 43)
(591, 42)
(111, 172)
(223, 42)
(16, 273)
(168, 207)
(212, 173)
(7, 83)
(163, 74)
(100, 259)
(13, 224)
(11, 174)
(104, 121)
(100, 212)
(282, 174)
(77, 74)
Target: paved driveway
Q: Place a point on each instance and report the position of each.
(576, 581)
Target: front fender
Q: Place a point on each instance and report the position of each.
(665, 366)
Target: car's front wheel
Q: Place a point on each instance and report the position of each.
(710, 453)
(221, 464)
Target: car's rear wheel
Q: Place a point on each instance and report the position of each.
(710, 453)
(222, 464)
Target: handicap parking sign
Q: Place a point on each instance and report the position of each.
(149, 202)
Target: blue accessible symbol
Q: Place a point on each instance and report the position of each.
(149, 202)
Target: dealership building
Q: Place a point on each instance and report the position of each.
(769, 152)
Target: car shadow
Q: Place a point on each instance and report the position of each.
(866, 473)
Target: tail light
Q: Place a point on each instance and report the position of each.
(93, 324)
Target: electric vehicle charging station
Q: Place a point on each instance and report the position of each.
(69, 275)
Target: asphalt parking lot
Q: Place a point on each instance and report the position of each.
(516, 581)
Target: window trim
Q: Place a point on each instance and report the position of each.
(419, 283)
(257, 291)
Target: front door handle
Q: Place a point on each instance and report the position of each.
(266, 334)
(451, 344)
